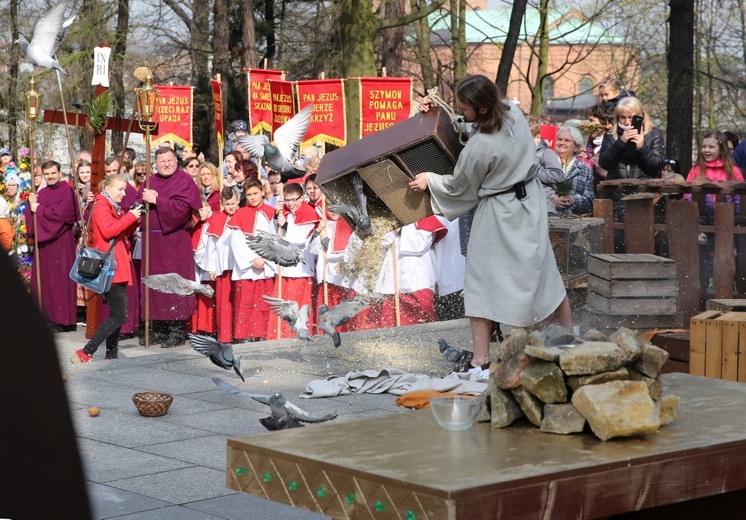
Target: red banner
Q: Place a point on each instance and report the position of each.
(328, 119)
(383, 102)
(174, 115)
(549, 134)
(260, 101)
(217, 101)
(283, 107)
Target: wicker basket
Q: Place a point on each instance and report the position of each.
(152, 404)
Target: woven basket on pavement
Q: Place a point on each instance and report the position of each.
(152, 404)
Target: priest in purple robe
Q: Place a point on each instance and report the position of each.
(57, 211)
(172, 199)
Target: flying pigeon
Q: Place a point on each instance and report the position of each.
(47, 37)
(331, 318)
(284, 414)
(275, 249)
(453, 354)
(220, 354)
(173, 283)
(364, 225)
(280, 156)
(288, 310)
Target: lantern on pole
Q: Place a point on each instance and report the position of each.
(32, 101)
(147, 102)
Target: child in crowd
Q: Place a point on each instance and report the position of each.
(297, 220)
(612, 90)
(214, 266)
(273, 188)
(253, 277)
(671, 171)
(415, 274)
(314, 195)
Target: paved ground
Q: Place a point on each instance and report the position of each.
(173, 467)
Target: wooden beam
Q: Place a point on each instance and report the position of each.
(724, 268)
(604, 208)
(638, 226)
(683, 246)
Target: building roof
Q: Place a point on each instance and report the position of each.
(567, 26)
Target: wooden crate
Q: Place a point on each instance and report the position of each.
(737, 305)
(677, 346)
(632, 284)
(717, 345)
(573, 240)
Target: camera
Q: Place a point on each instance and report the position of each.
(138, 205)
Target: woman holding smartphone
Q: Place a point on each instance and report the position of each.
(634, 148)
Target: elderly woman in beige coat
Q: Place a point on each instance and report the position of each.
(511, 273)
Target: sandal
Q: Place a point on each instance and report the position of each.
(81, 357)
(467, 366)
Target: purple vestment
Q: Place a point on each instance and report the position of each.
(58, 211)
(170, 242)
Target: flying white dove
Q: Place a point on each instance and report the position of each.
(47, 37)
(295, 316)
(174, 283)
(282, 155)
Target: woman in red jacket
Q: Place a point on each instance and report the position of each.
(109, 222)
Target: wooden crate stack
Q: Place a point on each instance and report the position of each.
(717, 341)
(637, 291)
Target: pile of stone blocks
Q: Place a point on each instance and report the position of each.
(560, 383)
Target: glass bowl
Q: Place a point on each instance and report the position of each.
(455, 413)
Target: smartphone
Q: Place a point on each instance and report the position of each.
(637, 123)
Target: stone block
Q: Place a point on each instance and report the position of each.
(530, 404)
(668, 406)
(504, 408)
(591, 357)
(620, 374)
(651, 360)
(617, 409)
(512, 358)
(546, 353)
(595, 335)
(557, 335)
(545, 380)
(562, 418)
(630, 342)
(655, 385)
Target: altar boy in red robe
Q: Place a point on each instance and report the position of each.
(57, 211)
(214, 266)
(297, 221)
(253, 277)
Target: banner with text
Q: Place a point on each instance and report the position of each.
(283, 108)
(174, 115)
(328, 119)
(217, 101)
(260, 101)
(383, 102)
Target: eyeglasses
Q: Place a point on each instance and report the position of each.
(296, 199)
(140, 173)
(193, 165)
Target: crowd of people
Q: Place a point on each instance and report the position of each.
(200, 217)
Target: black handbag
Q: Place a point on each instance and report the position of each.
(94, 269)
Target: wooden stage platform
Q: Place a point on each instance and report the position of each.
(404, 466)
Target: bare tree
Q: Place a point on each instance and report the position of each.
(221, 59)
(680, 81)
(117, 67)
(393, 40)
(511, 40)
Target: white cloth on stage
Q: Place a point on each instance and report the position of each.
(450, 264)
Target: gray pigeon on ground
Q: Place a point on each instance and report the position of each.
(284, 414)
(282, 155)
(173, 283)
(275, 249)
(453, 354)
(296, 317)
(331, 318)
(221, 354)
(48, 33)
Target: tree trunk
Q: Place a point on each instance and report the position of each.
(427, 70)
(221, 54)
(509, 47)
(269, 16)
(248, 51)
(204, 114)
(680, 82)
(92, 18)
(117, 69)
(393, 41)
(537, 89)
(13, 107)
(458, 40)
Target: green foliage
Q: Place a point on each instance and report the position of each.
(97, 109)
